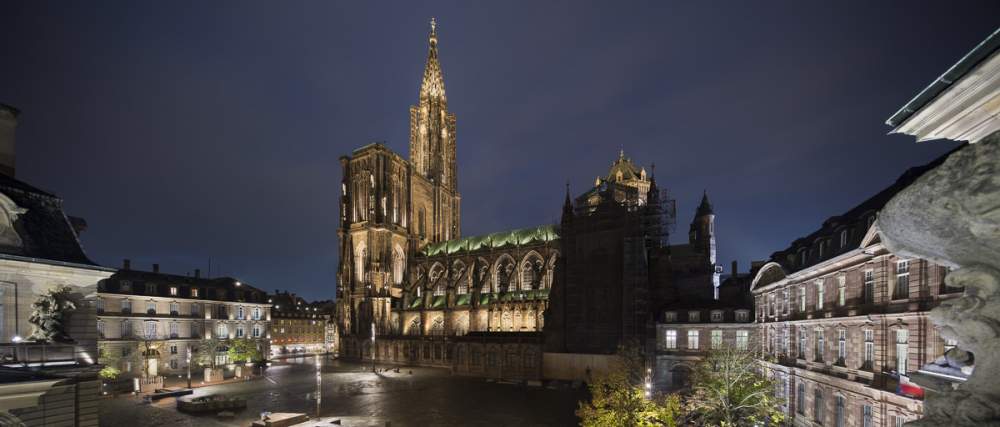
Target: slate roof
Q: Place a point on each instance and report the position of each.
(855, 218)
(214, 289)
(521, 236)
(44, 229)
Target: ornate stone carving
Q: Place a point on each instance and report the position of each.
(951, 216)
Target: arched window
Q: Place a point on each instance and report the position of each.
(437, 326)
(461, 277)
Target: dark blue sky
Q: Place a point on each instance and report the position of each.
(188, 130)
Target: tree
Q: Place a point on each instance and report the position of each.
(207, 349)
(243, 350)
(729, 389)
(619, 398)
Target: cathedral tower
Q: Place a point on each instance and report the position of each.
(436, 201)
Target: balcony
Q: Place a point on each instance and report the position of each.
(151, 311)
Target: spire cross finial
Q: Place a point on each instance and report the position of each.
(621, 153)
(433, 25)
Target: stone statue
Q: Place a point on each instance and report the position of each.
(951, 216)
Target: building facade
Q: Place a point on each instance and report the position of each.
(41, 257)
(845, 321)
(148, 320)
(299, 327)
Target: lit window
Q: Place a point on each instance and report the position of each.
(841, 345)
(869, 348)
(692, 340)
(902, 337)
(902, 290)
(802, 343)
(670, 339)
(820, 345)
(869, 287)
(819, 295)
(194, 292)
(716, 339)
(173, 291)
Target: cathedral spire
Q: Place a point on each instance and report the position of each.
(433, 83)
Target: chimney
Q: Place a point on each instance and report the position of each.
(734, 268)
(126, 264)
(156, 268)
(8, 124)
(197, 273)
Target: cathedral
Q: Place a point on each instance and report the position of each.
(412, 289)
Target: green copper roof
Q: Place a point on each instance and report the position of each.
(522, 236)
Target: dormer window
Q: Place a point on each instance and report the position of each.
(670, 316)
(125, 285)
(694, 316)
(173, 291)
(150, 288)
(194, 292)
(742, 315)
(843, 238)
(716, 315)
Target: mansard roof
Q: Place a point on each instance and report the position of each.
(858, 220)
(518, 237)
(43, 231)
(222, 288)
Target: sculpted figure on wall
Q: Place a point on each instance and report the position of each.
(951, 216)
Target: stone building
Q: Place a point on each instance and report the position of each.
(159, 317)
(493, 304)
(690, 328)
(846, 321)
(54, 382)
(298, 326)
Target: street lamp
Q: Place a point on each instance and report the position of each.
(373, 346)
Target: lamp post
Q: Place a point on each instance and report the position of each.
(188, 358)
(373, 346)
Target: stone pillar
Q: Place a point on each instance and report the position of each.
(951, 216)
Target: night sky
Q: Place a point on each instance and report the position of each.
(184, 131)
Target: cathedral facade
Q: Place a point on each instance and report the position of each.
(411, 289)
